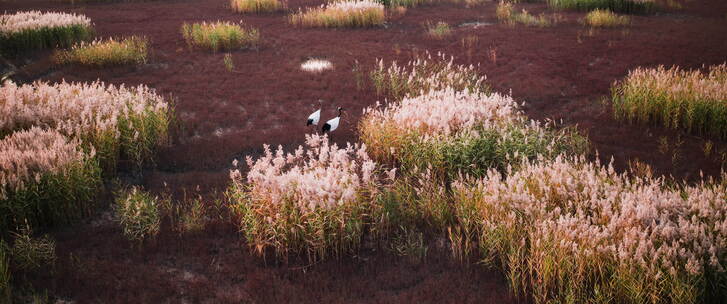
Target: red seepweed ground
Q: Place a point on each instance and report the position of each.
(561, 72)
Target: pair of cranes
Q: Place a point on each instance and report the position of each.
(330, 126)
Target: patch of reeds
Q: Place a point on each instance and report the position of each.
(605, 18)
(30, 253)
(34, 30)
(190, 216)
(313, 201)
(216, 36)
(438, 30)
(409, 243)
(691, 100)
(352, 13)
(256, 6)
(103, 53)
(46, 179)
(120, 123)
(425, 74)
(137, 212)
(443, 122)
(569, 230)
(622, 6)
(506, 14)
(454, 133)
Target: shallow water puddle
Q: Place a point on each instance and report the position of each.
(476, 24)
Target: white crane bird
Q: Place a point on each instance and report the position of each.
(332, 124)
(315, 117)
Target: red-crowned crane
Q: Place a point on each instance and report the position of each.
(332, 124)
(315, 117)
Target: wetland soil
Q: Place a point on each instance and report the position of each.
(563, 72)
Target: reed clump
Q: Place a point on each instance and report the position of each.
(605, 18)
(444, 122)
(103, 53)
(425, 74)
(46, 179)
(216, 36)
(459, 132)
(569, 230)
(119, 123)
(34, 30)
(30, 253)
(623, 6)
(256, 6)
(680, 99)
(137, 212)
(313, 201)
(438, 30)
(353, 13)
(506, 14)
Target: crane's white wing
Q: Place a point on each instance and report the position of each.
(315, 117)
(333, 123)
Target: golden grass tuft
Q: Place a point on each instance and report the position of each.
(605, 18)
(138, 213)
(256, 6)
(504, 11)
(102, 53)
(365, 13)
(32, 253)
(506, 14)
(438, 30)
(229, 62)
(217, 36)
